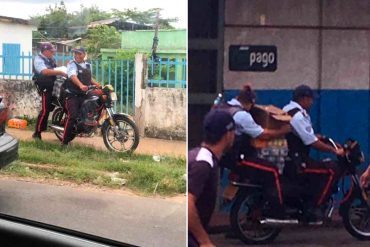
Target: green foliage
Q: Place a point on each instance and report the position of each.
(55, 22)
(87, 165)
(101, 37)
(147, 17)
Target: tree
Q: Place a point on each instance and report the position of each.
(101, 37)
(87, 15)
(147, 17)
(55, 23)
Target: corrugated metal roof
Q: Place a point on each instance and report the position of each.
(14, 20)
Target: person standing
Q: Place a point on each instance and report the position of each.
(44, 77)
(203, 173)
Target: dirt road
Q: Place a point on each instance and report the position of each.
(146, 146)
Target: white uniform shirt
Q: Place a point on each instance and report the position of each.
(72, 68)
(301, 123)
(244, 122)
(39, 63)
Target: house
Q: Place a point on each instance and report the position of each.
(15, 49)
(172, 43)
(119, 24)
(66, 46)
(171, 49)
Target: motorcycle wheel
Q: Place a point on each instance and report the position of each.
(58, 118)
(126, 139)
(356, 218)
(244, 219)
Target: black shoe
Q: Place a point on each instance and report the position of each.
(314, 216)
(64, 145)
(36, 135)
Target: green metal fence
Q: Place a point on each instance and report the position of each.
(167, 72)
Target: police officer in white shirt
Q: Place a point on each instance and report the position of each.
(301, 139)
(246, 130)
(44, 77)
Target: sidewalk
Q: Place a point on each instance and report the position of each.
(149, 146)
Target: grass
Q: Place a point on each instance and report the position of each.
(82, 164)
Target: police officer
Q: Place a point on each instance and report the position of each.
(79, 78)
(44, 77)
(218, 130)
(301, 139)
(246, 130)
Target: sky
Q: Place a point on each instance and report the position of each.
(26, 8)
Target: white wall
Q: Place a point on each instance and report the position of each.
(17, 34)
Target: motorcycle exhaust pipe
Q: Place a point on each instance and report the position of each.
(57, 128)
(268, 221)
(288, 222)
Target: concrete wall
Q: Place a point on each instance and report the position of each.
(322, 43)
(20, 97)
(159, 112)
(165, 113)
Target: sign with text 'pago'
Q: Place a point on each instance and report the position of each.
(253, 58)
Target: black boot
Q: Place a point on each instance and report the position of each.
(36, 135)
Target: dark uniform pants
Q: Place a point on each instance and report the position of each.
(72, 105)
(320, 178)
(47, 107)
(192, 242)
(266, 174)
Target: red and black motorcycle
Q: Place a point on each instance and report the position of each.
(250, 215)
(119, 131)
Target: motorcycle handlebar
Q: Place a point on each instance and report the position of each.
(91, 88)
(330, 141)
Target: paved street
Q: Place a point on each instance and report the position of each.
(142, 221)
(301, 237)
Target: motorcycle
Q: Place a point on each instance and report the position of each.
(251, 220)
(119, 131)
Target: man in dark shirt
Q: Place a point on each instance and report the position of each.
(218, 129)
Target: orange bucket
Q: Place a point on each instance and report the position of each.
(17, 123)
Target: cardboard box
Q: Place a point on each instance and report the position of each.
(269, 116)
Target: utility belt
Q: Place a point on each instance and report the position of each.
(44, 83)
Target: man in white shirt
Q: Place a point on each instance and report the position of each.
(78, 82)
(301, 139)
(203, 171)
(44, 77)
(246, 130)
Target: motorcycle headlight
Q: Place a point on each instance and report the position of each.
(113, 96)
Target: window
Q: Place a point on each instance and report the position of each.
(11, 59)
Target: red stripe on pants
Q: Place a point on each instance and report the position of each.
(327, 186)
(43, 112)
(269, 169)
(67, 122)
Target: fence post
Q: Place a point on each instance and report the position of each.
(141, 77)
